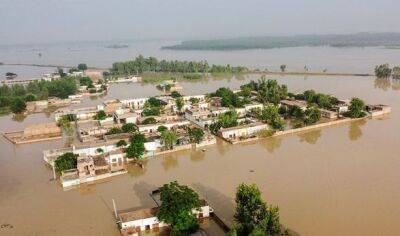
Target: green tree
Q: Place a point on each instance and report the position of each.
(270, 115)
(162, 128)
(383, 71)
(179, 103)
(18, 105)
(283, 68)
(357, 108)
(168, 138)
(228, 119)
(30, 98)
(312, 115)
(176, 94)
(82, 67)
(100, 150)
(270, 91)
(66, 161)
(100, 115)
(396, 72)
(136, 147)
(253, 216)
(150, 120)
(121, 143)
(129, 128)
(194, 101)
(177, 205)
(196, 134)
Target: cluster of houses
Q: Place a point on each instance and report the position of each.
(195, 111)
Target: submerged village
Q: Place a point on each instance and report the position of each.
(122, 132)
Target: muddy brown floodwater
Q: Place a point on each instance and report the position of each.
(342, 180)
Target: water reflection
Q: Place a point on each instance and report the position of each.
(19, 117)
(310, 137)
(271, 144)
(387, 83)
(136, 171)
(355, 131)
(197, 155)
(170, 161)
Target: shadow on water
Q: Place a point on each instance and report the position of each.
(355, 131)
(310, 137)
(170, 161)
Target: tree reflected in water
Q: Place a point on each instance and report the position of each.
(271, 144)
(382, 83)
(355, 131)
(310, 137)
(170, 161)
(197, 155)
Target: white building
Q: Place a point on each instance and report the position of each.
(242, 131)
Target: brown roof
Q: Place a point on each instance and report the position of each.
(138, 215)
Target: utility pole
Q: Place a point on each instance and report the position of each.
(54, 171)
(115, 209)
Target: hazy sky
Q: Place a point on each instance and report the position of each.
(33, 21)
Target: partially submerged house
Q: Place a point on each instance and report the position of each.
(133, 222)
(34, 133)
(242, 131)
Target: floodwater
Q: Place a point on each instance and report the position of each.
(342, 180)
(352, 60)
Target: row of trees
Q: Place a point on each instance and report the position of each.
(15, 96)
(141, 64)
(384, 71)
(253, 216)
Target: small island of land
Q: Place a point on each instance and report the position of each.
(389, 40)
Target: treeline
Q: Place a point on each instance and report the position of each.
(385, 71)
(14, 97)
(141, 64)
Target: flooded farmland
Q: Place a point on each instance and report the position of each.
(342, 180)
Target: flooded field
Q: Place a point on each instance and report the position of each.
(342, 180)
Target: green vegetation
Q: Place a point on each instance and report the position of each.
(356, 109)
(162, 128)
(150, 120)
(18, 105)
(100, 115)
(14, 97)
(100, 150)
(153, 107)
(194, 101)
(66, 161)
(349, 40)
(125, 128)
(193, 76)
(82, 67)
(383, 71)
(65, 123)
(141, 64)
(229, 98)
(225, 120)
(177, 205)
(121, 143)
(129, 128)
(270, 115)
(176, 94)
(196, 134)
(283, 68)
(179, 103)
(86, 81)
(396, 72)
(253, 216)
(168, 138)
(136, 147)
(268, 91)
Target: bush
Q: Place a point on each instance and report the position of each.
(18, 105)
(150, 120)
(121, 143)
(383, 71)
(101, 115)
(128, 128)
(66, 161)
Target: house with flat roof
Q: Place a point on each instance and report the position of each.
(242, 131)
(146, 219)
